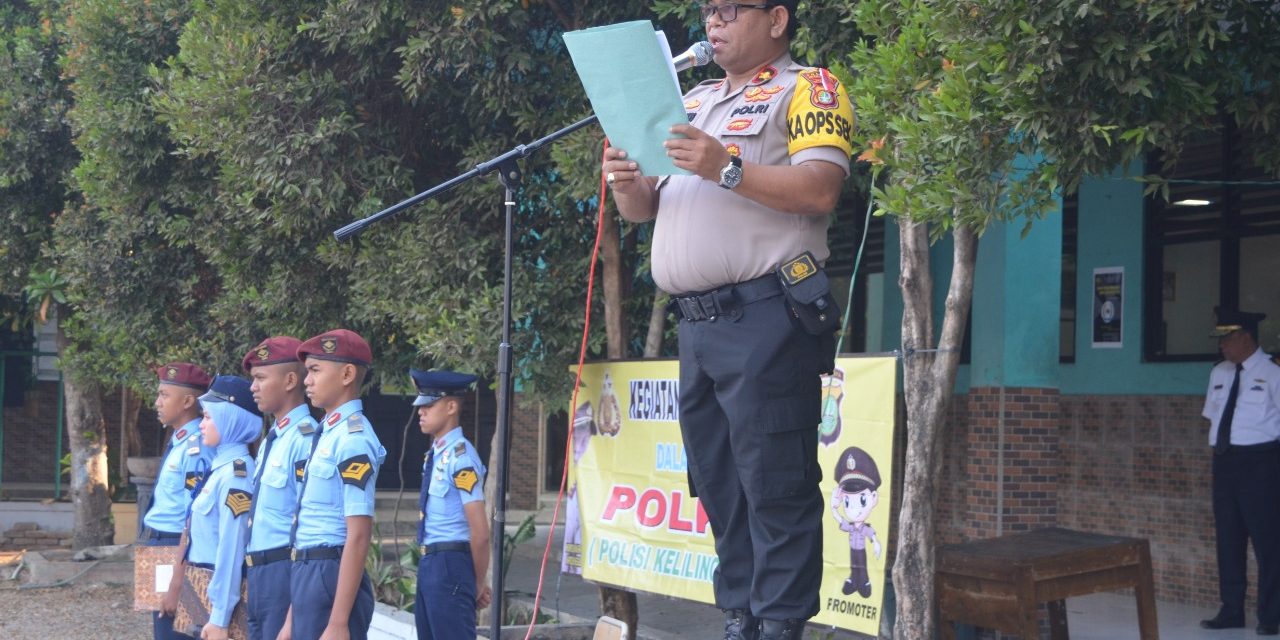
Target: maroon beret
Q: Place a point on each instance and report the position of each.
(338, 345)
(184, 374)
(273, 350)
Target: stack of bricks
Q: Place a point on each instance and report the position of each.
(29, 535)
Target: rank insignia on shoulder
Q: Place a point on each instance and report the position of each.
(306, 428)
(355, 424)
(193, 451)
(299, 469)
(799, 269)
(239, 501)
(241, 469)
(192, 480)
(460, 449)
(356, 470)
(466, 479)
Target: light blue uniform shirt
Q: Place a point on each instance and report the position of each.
(184, 464)
(219, 526)
(340, 478)
(279, 480)
(456, 479)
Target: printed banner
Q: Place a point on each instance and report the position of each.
(1108, 308)
(631, 521)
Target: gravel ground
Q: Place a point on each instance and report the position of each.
(95, 611)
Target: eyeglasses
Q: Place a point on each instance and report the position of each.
(728, 11)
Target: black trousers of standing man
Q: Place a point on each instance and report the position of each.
(1246, 495)
(750, 396)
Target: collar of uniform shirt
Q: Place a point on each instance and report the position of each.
(345, 410)
(294, 416)
(181, 434)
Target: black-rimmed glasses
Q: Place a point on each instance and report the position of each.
(728, 11)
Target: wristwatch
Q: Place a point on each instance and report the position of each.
(731, 174)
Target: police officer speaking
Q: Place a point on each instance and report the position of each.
(277, 389)
(454, 531)
(185, 462)
(330, 592)
(740, 244)
(1243, 408)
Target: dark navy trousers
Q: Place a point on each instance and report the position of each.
(445, 607)
(313, 584)
(268, 604)
(750, 403)
(1246, 482)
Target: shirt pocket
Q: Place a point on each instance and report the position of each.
(320, 489)
(439, 488)
(275, 497)
(204, 503)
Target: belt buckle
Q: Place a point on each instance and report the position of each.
(248, 560)
(293, 555)
(422, 550)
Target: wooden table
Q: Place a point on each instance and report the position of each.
(997, 583)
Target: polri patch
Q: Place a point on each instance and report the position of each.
(356, 470)
(239, 501)
(466, 479)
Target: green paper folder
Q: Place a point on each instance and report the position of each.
(628, 78)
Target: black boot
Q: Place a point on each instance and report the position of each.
(1224, 620)
(781, 629)
(739, 624)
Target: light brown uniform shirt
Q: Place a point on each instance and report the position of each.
(706, 236)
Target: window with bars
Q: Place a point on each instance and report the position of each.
(1214, 243)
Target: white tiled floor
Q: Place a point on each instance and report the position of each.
(1112, 616)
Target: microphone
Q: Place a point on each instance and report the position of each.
(697, 55)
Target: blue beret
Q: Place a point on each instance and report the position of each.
(233, 389)
(433, 385)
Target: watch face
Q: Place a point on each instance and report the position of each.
(730, 176)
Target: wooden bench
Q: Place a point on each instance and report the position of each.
(998, 583)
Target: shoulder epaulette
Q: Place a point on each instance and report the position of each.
(306, 428)
(194, 451)
(241, 469)
(355, 424)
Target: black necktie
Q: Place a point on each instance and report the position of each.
(272, 432)
(422, 493)
(1228, 415)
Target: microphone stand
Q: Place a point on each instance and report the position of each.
(509, 175)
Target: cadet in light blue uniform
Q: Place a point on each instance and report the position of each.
(277, 388)
(454, 534)
(219, 514)
(184, 464)
(335, 514)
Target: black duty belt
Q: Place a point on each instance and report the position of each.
(201, 565)
(317, 553)
(153, 534)
(428, 549)
(709, 305)
(264, 558)
(1253, 448)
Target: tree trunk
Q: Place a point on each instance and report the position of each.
(617, 329)
(928, 379)
(87, 434)
(130, 440)
(615, 603)
(657, 324)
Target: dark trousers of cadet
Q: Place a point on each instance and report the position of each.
(162, 625)
(1246, 507)
(445, 607)
(268, 604)
(313, 584)
(749, 411)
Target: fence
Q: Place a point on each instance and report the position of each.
(33, 444)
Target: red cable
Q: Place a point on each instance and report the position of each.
(573, 406)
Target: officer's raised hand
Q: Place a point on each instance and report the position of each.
(697, 152)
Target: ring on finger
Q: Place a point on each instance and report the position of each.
(610, 178)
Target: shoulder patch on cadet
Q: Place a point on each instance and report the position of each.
(306, 428)
(239, 501)
(193, 479)
(355, 424)
(466, 479)
(299, 469)
(241, 469)
(194, 451)
(356, 470)
(460, 449)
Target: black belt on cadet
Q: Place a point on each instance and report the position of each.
(1253, 448)
(200, 565)
(317, 553)
(154, 534)
(263, 558)
(428, 549)
(710, 305)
